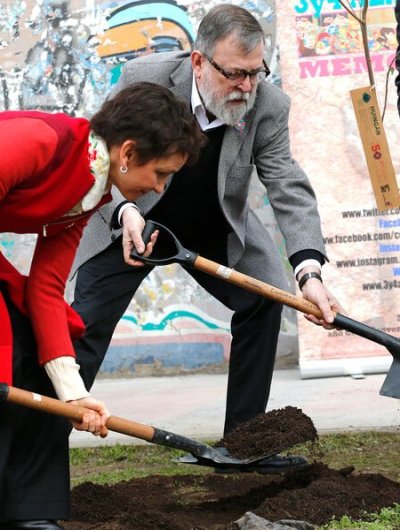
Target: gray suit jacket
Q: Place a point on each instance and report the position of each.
(263, 145)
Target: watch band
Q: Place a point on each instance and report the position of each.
(307, 276)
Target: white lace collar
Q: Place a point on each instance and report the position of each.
(99, 165)
(99, 161)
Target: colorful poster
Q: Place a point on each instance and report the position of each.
(329, 39)
(322, 61)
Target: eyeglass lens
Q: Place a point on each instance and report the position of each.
(254, 76)
(240, 75)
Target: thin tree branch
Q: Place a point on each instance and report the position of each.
(363, 24)
(350, 11)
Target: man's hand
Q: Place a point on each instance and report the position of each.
(94, 420)
(314, 291)
(132, 228)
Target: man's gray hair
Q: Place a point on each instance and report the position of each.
(223, 21)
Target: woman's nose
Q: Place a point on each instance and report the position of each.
(159, 187)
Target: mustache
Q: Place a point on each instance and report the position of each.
(236, 94)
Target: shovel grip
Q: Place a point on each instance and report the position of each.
(36, 401)
(179, 254)
(291, 300)
(177, 441)
(71, 412)
(256, 286)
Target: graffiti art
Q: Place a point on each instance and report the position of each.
(143, 27)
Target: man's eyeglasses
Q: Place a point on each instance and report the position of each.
(238, 76)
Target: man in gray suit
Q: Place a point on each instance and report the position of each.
(206, 206)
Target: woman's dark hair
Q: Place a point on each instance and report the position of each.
(160, 123)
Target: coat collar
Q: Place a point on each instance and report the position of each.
(181, 79)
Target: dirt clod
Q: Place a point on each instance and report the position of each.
(270, 433)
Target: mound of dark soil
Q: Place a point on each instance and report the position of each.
(213, 502)
(270, 433)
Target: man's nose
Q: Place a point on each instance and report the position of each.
(246, 85)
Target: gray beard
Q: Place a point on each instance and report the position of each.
(220, 107)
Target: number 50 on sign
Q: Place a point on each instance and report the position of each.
(376, 149)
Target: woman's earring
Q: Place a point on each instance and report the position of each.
(123, 169)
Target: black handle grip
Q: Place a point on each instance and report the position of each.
(368, 332)
(3, 391)
(177, 441)
(148, 229)
(174, 252)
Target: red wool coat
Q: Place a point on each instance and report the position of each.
(44, 173)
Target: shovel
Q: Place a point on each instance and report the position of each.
(176, 253)
(200, 454)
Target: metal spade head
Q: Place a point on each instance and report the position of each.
(219, 458)
(200, 453)
(391, 385)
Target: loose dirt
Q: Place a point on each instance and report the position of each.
(213, 501)
(270, 433)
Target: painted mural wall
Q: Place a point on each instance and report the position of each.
(64, 55)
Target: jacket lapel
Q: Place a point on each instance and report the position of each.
(182, 79)
(233, 141)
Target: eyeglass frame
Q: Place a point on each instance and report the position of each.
(245, 73)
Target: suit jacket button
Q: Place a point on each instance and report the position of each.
(113, 237)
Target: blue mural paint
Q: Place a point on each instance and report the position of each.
(188, 356)
(152, 10)
(141, 27)
(152, 326)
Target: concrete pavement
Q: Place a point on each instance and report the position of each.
(194, 405)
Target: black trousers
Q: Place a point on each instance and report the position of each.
(104, 288)
(34, 460)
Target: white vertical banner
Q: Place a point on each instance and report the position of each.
(322, 60)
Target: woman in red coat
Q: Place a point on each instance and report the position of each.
(55, 171)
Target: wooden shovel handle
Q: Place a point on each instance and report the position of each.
(256, 286)
(76, 412)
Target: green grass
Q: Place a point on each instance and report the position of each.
(386, 519)
(111, 464)
(368, 452)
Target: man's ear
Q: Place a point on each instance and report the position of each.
(197, 59)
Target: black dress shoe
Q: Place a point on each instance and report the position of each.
(273, 465)
(36, 524)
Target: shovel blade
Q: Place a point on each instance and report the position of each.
(212, 462)
(220, 458)
(200, 453)
(391, 385)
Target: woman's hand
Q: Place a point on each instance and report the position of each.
(132, 228)
(94, 420)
